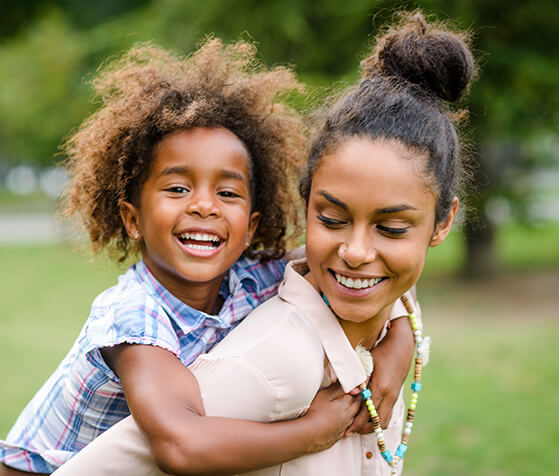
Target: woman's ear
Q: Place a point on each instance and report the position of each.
(130, 216)
(443, 228)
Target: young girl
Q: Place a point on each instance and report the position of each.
(188, 162)
(380, 190)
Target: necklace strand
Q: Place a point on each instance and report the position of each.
(393, 460)
(421, 359)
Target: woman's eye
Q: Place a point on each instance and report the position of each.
(392, 231)
(330, 221)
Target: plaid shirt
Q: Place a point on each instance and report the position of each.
(84, 397)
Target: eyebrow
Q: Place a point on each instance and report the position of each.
(180, 170)
(379, 211)
(333, 200)
(394, 209)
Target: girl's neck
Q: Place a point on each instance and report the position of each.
(200, 296)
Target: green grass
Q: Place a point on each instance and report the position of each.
(36, 202)
(488, 402)
(489, 399)
(46, 294)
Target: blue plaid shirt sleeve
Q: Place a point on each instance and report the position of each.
(139, 320)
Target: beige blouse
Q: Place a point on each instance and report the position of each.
(272, 366)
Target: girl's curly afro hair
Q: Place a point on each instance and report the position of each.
(149, 93)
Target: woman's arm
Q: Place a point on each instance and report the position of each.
(164, 398)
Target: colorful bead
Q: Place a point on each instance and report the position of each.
(366, 394)
(416, 386)
(387, 456)
(401, 450)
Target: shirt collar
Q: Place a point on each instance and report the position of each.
(236, 278)
(296, 290)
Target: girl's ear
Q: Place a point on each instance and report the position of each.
(253, 222)
(130, 216)
(443, 228)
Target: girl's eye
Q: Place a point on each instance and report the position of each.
(177, 189)
(392, 231)
(228, 194)
(330, 221)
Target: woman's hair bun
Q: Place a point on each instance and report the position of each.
(436, 59)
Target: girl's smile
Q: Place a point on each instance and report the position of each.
(203, 243)
(194, 214)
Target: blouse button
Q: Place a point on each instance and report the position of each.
(369, 454)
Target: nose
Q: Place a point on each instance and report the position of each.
(202, 203)
(358, 249)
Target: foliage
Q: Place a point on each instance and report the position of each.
(44, 64)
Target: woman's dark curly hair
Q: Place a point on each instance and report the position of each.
(149, 93)
(415, 71)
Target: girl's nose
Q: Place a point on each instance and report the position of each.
(202, 205)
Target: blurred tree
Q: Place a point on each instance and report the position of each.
(515, 101)
(20, 14)
(514, 104)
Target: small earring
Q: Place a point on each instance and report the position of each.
(247, 243)
(136, 235)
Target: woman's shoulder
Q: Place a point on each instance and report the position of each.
(275, 349)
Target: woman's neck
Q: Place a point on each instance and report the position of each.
(365, 333)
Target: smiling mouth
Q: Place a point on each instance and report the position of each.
(200, 241)
(356, 283)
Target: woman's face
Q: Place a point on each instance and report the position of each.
(370, 221)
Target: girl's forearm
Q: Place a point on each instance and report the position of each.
(214, 445)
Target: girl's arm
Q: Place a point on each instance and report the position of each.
(392, 358)
(164, 398)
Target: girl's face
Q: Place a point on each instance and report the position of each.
(194, 217)
(370, 221)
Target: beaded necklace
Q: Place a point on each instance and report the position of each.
(421, 359)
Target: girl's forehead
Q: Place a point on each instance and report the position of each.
(202, 151)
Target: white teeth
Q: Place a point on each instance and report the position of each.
(199, 237)
(358, 283)
(199, 247)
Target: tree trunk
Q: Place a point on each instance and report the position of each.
(479, 230)
(481, 259)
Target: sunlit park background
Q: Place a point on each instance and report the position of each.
(490, 294)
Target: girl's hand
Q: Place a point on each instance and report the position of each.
(392, 359)
(331, 413)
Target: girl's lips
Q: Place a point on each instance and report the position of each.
(201, 249)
